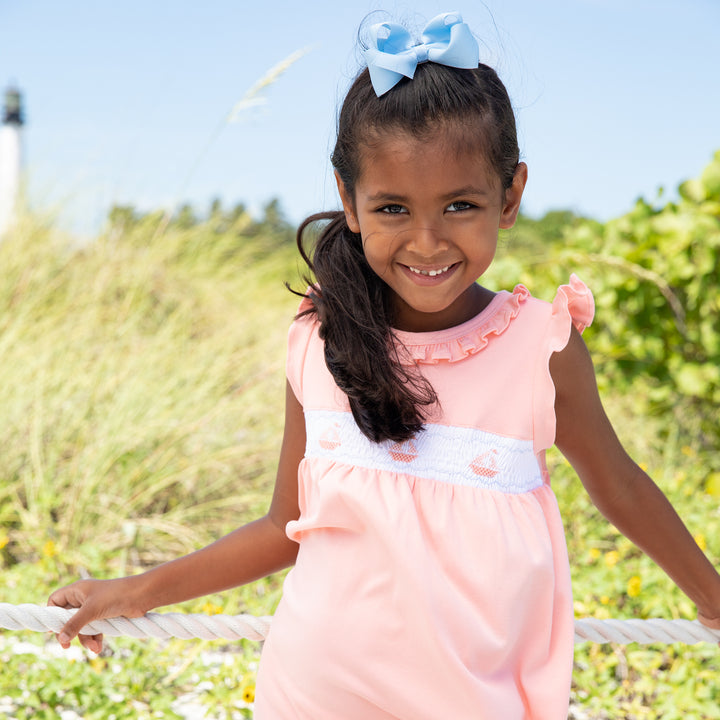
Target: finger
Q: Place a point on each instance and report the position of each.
(70, 596)
(59, 599)
(92, 642)
(74, 625)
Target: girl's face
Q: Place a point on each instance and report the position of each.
(429, 217)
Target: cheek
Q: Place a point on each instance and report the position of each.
(379, 249)
(378, 263)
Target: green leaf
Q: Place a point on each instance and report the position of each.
(693, 191)
(692, 379)
(710, 179)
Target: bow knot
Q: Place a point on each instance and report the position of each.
(422, 53)
(446, 40)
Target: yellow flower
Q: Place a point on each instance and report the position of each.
(701, 541)
(605, 600)
(4, 540)
(580, 608)
(634, 586)
(98, 664)
(611, 558)
(712, 484)
(210, 608)
(249, 694)
(49, 549)
(594, 553)
(643, 466)
(687, 451)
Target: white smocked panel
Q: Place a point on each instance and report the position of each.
(454, 455)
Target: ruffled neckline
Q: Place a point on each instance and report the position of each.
(458, 342)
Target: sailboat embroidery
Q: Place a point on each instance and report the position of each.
(485, 464)
(403, 451)
(330, 439)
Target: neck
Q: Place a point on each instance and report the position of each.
(472, 302)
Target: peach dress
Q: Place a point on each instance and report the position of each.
(432, 579)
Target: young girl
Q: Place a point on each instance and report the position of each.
(431, 577)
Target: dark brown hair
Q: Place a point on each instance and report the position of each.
(354, 306)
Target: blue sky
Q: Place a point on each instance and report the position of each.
(126, 101)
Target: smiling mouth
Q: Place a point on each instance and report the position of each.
(429, 273)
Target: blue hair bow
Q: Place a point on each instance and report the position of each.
(446, 40)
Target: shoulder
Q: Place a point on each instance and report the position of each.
(571, 367)
(572, 309)
(305, 320)
(302, 333)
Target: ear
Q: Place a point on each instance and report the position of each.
(348, 205)
(513, 196)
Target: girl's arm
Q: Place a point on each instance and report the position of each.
(620, 489)
(246, 554)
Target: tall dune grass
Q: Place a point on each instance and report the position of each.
(141, 388)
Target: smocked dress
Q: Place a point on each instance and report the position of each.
(432, 577)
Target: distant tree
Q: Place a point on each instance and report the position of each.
(123, 218)
(185, 217)
(238, 211)
(217, 219)
(273, 226)
(216, 208)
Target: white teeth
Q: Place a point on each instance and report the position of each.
(431, 273)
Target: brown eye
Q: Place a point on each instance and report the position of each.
(459, 206)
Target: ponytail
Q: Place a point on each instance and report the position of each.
(353, 306)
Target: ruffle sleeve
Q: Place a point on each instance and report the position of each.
(573, 305)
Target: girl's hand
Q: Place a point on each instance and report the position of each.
(96, 600)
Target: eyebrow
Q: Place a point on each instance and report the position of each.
(393, 197)
(469, 190)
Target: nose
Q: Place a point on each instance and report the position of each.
(425, 240)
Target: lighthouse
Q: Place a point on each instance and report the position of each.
(10, 157)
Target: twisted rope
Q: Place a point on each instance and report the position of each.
(157, 625)
(249, 627)
(643, 632)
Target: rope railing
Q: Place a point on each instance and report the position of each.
(248, 627)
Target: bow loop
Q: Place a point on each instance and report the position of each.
(446, 40)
